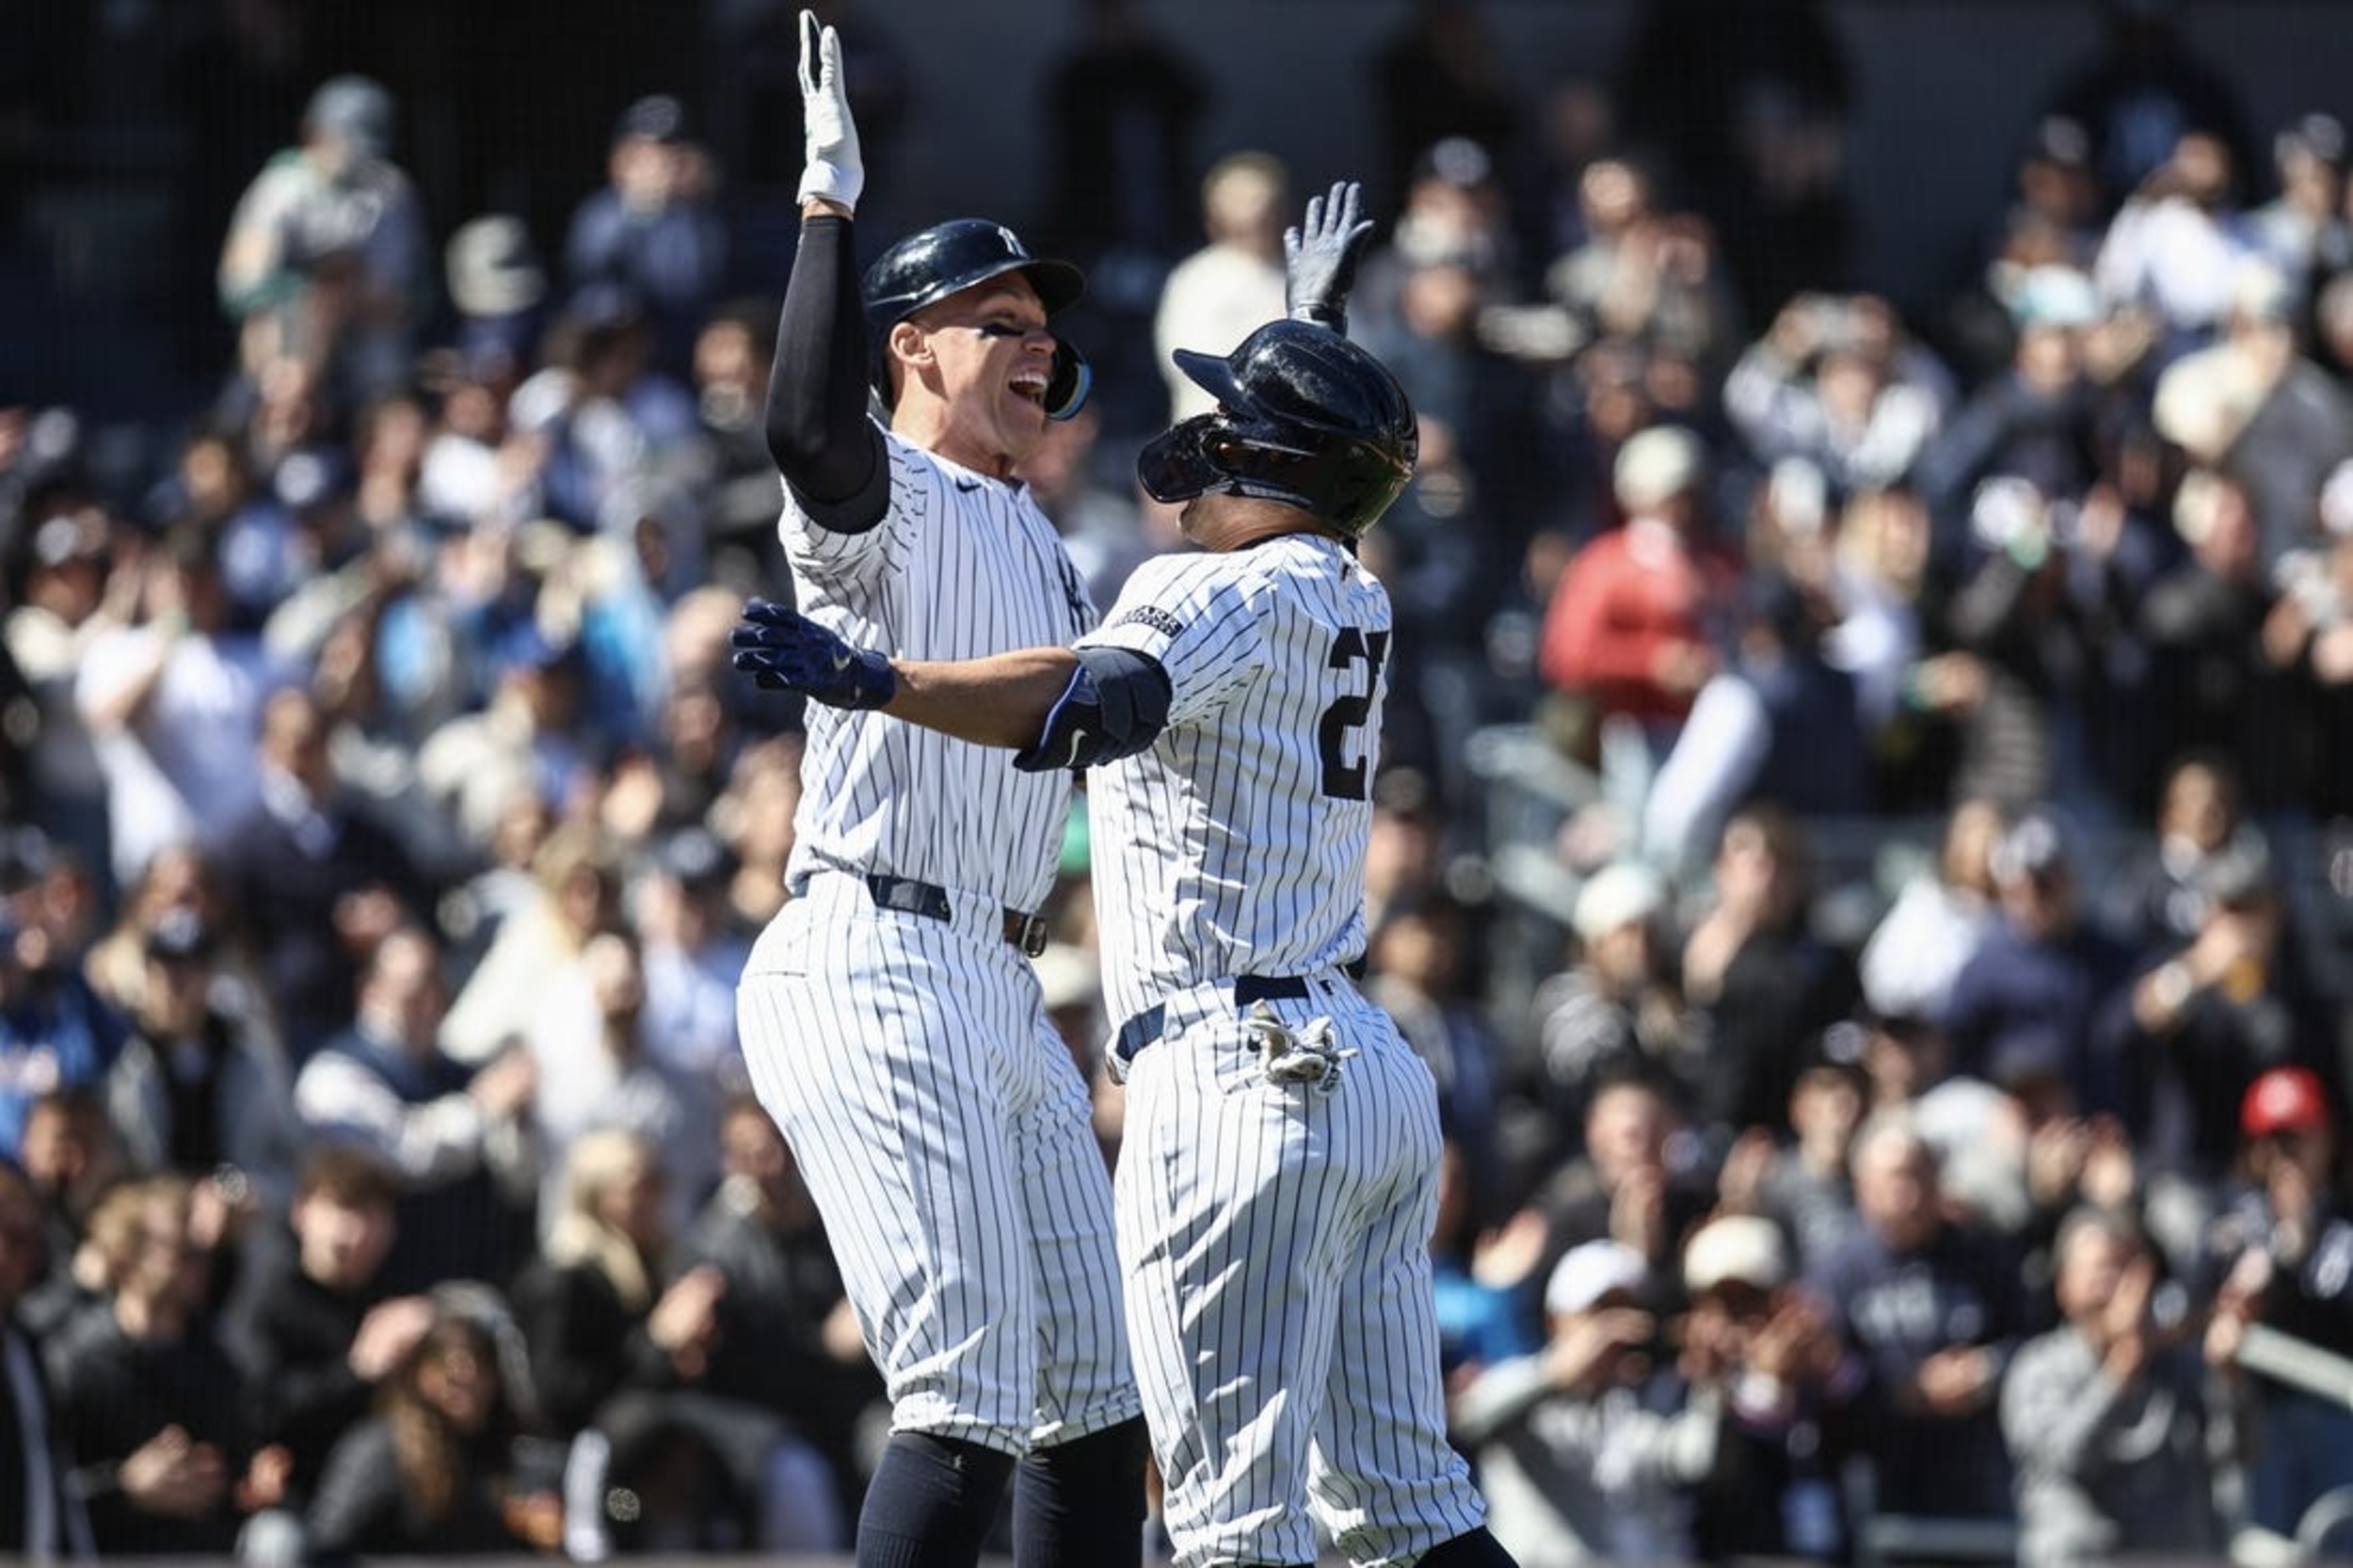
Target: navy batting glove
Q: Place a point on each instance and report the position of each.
(783, 650)
(1319, 256)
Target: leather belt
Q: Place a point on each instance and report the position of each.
(1144, 1028)
(909, 897)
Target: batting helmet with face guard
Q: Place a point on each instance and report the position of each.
(1304, 417)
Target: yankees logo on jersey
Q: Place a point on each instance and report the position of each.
(963, 567)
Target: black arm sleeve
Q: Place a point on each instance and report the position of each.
(825, 447)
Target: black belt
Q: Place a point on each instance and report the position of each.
(1144, 1028)
(909, 897)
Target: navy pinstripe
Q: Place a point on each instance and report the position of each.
(942, 1127)
(1276, 1239)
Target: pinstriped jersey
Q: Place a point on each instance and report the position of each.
(1240, 832)
(962, 566)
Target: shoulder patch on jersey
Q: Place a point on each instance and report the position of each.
(1154, 617)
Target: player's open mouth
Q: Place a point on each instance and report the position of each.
(1031, 385)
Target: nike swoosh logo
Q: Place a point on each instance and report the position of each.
(967, 486)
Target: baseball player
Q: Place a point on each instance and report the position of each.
(1277, 1181)
(891, 1016)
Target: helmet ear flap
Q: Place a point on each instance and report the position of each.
(1066, 389)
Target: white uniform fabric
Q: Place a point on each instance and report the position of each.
(1276, 1239)
(938, 1118)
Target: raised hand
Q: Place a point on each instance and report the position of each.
(1319, 256)
(783, 650)
(833, 170)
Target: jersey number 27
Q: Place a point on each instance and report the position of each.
(1344, 779)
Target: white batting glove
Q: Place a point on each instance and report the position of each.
(834, 170)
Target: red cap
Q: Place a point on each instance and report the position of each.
(2283, 1099)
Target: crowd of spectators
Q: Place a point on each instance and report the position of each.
(385, 829)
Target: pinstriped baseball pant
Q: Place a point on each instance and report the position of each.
(944, 1131)
(1276, 1242)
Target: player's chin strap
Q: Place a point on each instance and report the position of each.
(1306, 1055)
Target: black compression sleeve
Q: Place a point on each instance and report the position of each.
(824, 444)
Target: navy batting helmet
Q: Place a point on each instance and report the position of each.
(948, 258)
(1304, 417)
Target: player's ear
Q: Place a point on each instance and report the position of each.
(909, 343)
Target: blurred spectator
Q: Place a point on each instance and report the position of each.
(1423, 969)
(692, 954)
(654, 227)
(597, 1069)
(320, 884)
(2143, 90)
(2107, 1414)
(55, 1032)
(197, 1090)
(1939, 918)
(732, 357)
(609, 419)
(1764, 984)
(438, 1471)
(1635, 625)
(1837, 382)
(42, 1514)
(1448, 552)
(1220, 293)
(174, 705)
(1754, 1334)
(1779, 723)
(2016, 677)
(2203, 622)
(1615, 1011)
(325, 256)
(2302, 231)
(1934, 1311)
(314, 1332)
(1478, 1272)
(2177, 245)
(2049, 979)
(72, 1157)
(2281, 1250)
(2308, 639)
(151, 1405)
(786, 1338)
(1643, 273)
(530, 737)
(1589, 1447)
(2154, 896)
(2255, 408)
(180, 879)
(454, 1138)
(2223, 1006)
(621, 1357)
(2035, 420)
(1633, 1182)
(1454, 216)
(1804, 1186)
(72, 591)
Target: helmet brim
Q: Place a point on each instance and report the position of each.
(1213, 374)
(1059, 286)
